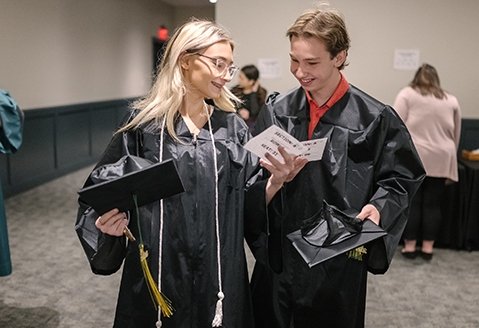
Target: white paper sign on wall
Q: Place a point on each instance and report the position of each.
(269, 68)
(406, 59)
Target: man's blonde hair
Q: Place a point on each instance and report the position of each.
(325, 24)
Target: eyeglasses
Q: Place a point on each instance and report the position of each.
(221, 66)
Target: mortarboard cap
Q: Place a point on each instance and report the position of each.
(115, 184)
(331, 232)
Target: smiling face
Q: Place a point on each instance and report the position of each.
(202, 76)
(314, 67)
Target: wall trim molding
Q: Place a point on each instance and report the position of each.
(59, 140)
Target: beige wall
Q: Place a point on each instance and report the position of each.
(184, 13)
(59, 52)
(445, 32)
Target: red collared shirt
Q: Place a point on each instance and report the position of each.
(316, 111)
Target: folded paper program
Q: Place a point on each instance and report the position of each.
(270, 139)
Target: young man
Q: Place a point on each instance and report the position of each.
(369, 167)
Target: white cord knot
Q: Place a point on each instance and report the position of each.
(218, 319)
(158, 324)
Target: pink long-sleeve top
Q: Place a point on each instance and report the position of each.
(435, 127)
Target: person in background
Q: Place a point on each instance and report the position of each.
(251, 93)
(195, 239)
(369, 169)
(433, 117)
(11, 135)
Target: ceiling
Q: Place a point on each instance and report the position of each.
(188, 3)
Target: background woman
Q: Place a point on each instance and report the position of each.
(433, 118)
(252, 94)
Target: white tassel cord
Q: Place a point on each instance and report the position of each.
(218, 319)
(160, 242)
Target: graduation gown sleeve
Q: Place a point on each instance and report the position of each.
(105, 253)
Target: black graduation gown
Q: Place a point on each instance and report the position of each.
(369, 158)
(189, 260)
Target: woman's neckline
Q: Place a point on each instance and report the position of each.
(197, 122)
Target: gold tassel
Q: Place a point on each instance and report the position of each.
(159, 299)
(357, 253)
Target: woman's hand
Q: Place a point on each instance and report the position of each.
(281, 172)
(112, 223)
(244, 113)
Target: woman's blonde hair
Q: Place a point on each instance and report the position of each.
(165, 98)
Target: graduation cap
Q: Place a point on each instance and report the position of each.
(127, 184)
(331, 232)
(116, 184)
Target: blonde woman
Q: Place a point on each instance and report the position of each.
(194, 239)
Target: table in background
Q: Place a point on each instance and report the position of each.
(460, 208)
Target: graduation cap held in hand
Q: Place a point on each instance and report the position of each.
(116, 184)
(331, 232)
(127, 184)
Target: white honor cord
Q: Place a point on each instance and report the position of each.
(160, 241)
(218, 319)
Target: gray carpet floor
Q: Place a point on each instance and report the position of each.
(52, 285)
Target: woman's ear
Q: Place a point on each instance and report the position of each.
(185, 61)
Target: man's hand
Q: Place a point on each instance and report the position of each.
(281, 172)
(370, 212)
